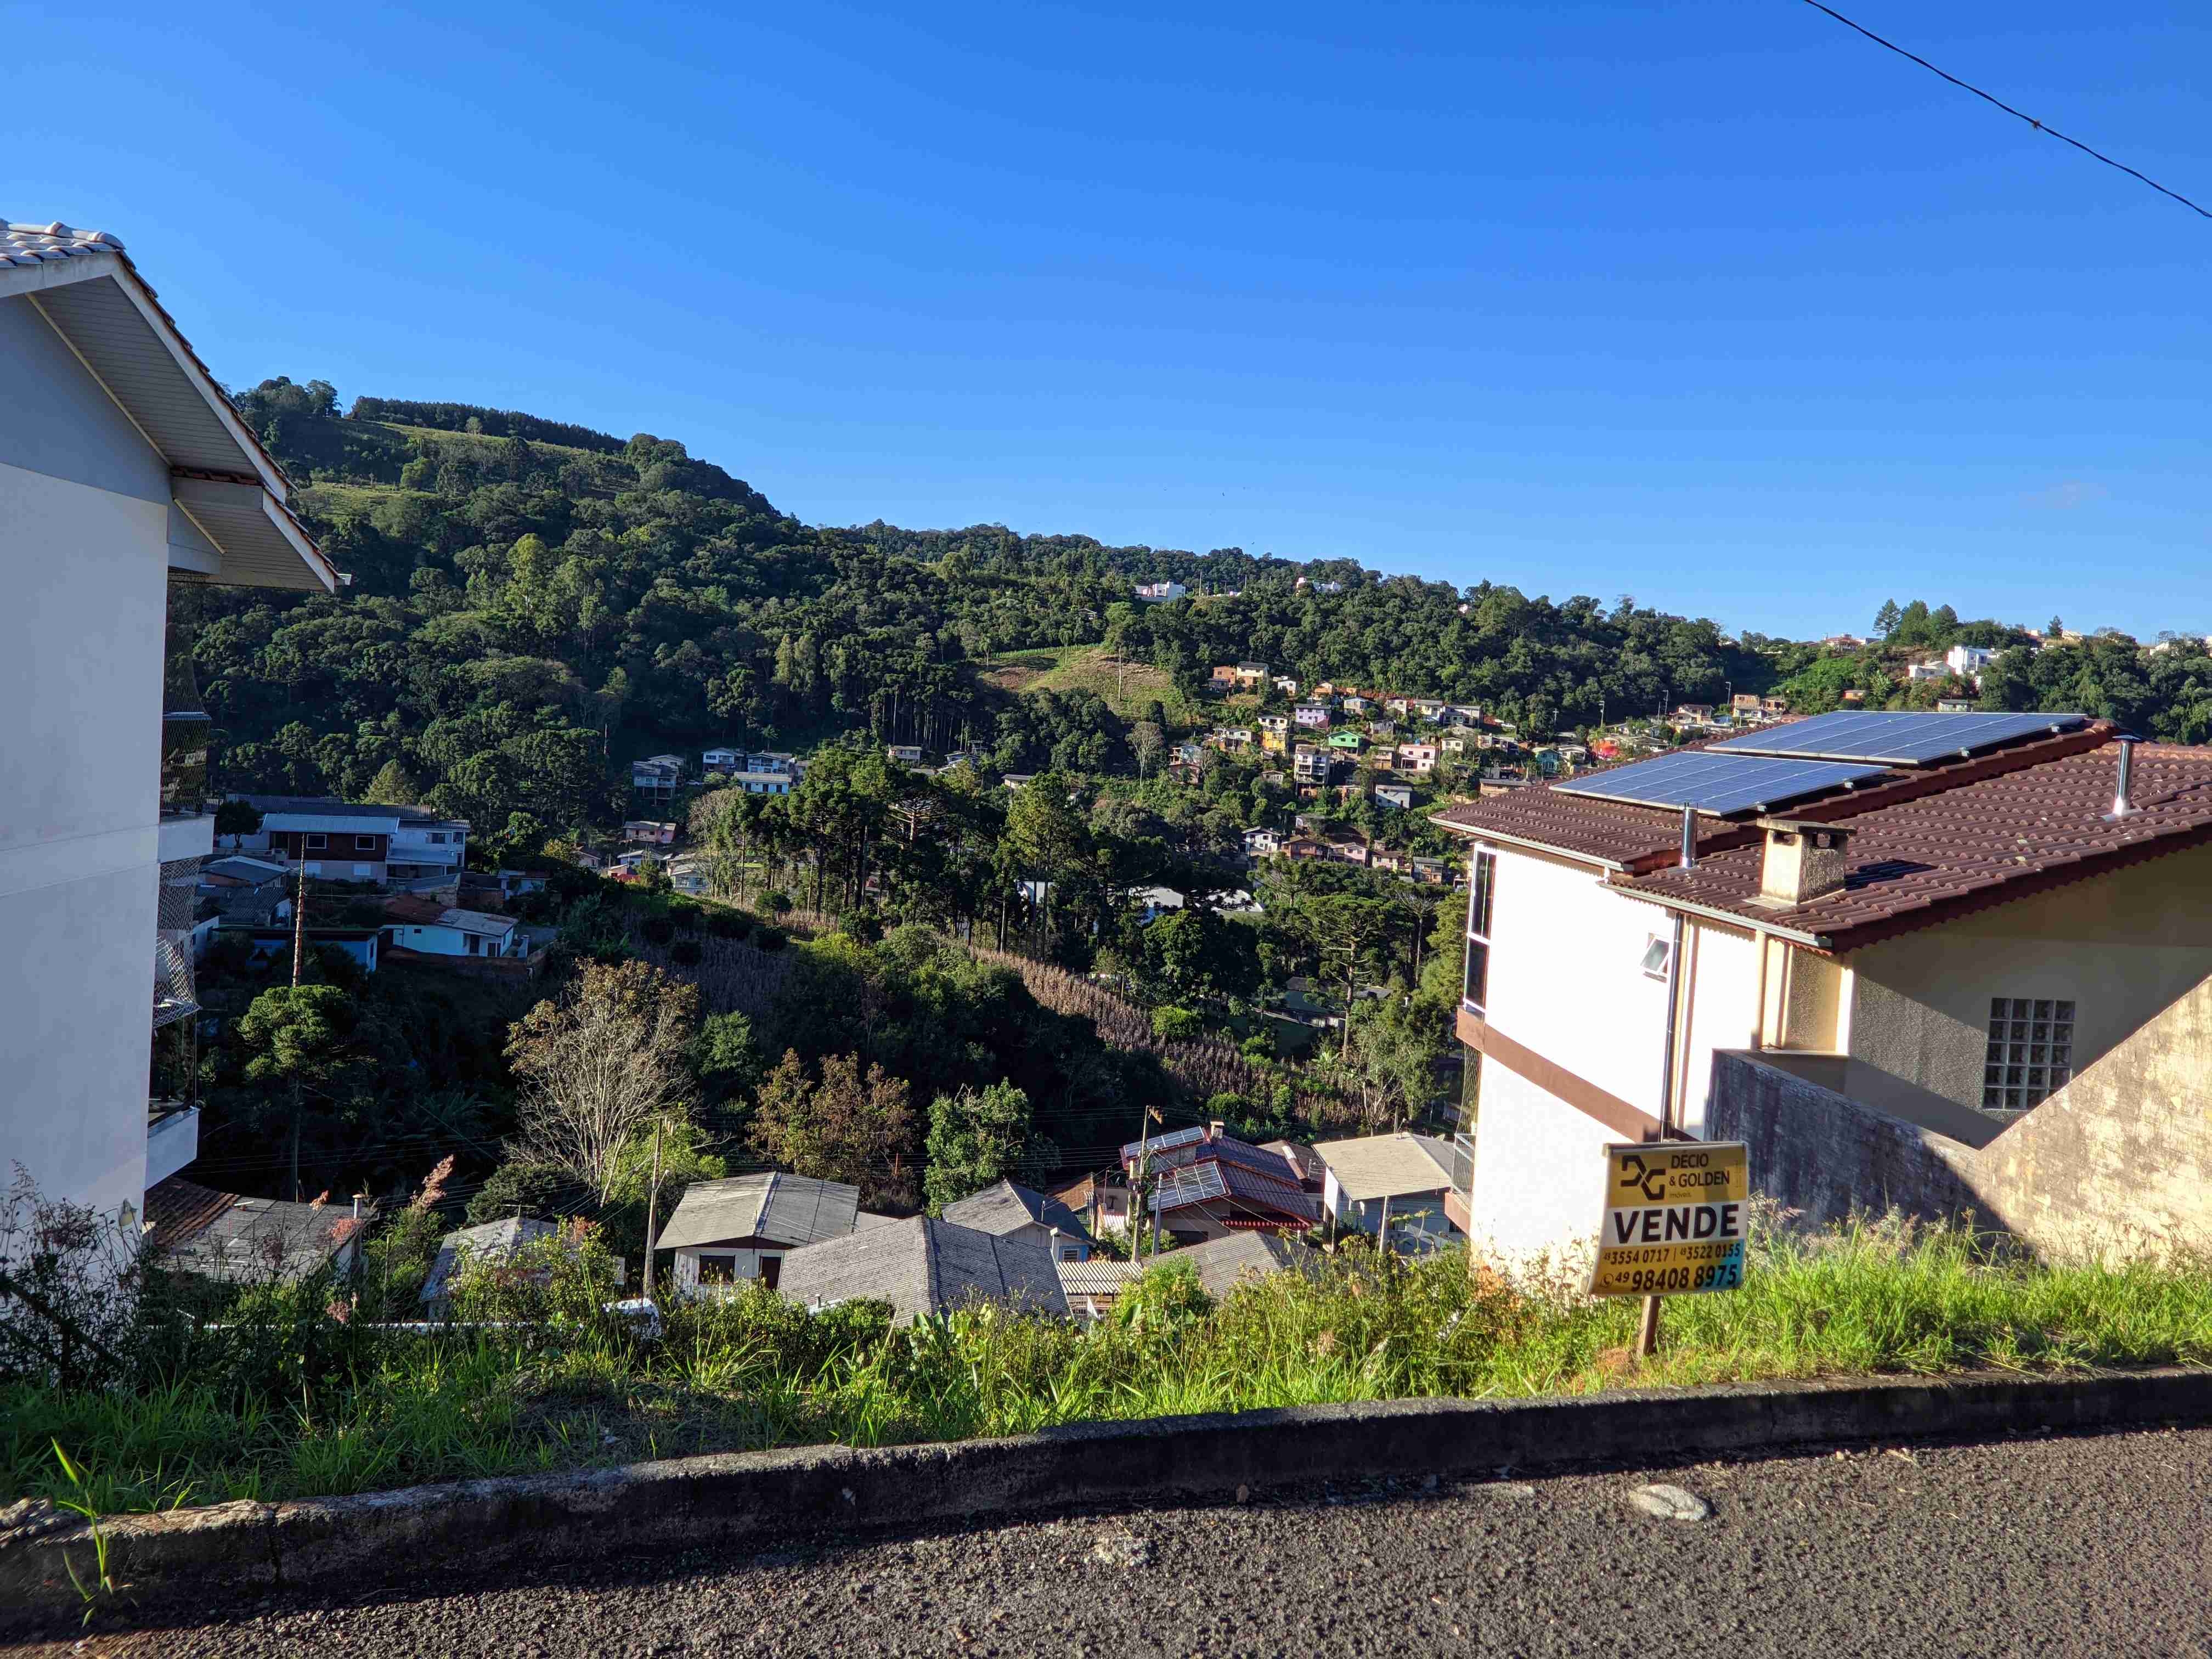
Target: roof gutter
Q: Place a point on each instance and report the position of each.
(1714, 913)
(1529, 843)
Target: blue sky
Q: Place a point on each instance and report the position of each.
(1713, 302)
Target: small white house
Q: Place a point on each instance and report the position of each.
(1159, 592)
(1262, 843)
(433, 929)
(726, 1233)
(1400, 795)
(906, 754)
(724, 760)
(1396, 1181)
(1968, 659)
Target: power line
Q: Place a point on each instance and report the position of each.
(1968, 85)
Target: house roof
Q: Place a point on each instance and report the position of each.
(85, 286)
(418, 912)
(1224, 1263)
(1982, 842)
(1387, 1166)
(785, 1209)
(1304, 1160)
(1928, 844)
(491, 1241)
(1005, 1207)
(1100, 1276)
(238, 1239)
(924, 1265)
(318, 806)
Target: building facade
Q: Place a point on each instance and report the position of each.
(123, 469)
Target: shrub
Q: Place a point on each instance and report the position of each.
(771, 938)
(686, 953)
(658, 930)
(728, 924)
(1176, 1024)
(778, 903)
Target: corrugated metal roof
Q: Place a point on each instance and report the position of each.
(1387, 1166)
(784, 1209)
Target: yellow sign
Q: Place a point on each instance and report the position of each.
(1673, 1222)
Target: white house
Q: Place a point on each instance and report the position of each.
(1312, 715)
(425, 847)
(1419, 758)
(1156, 591)
(725, 1232)
(123, 468)
(721, 760)
(1968, 660)
(433, 929)
(762, 782)
(1883, 959)
(1400, 795)
(1392, 1185)
(658, 777)
(1262, 843)
(1927, 671)
(906, 754)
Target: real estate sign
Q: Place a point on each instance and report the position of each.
(1673, 1223)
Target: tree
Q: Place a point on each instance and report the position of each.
(846, 1128)
(237, 818)
(298, 1040)
(1886, 619)
(2055, 631)
(1146, 740)
(977, 1136)
(392, 786)
(1396, 1045)
(598, 1063)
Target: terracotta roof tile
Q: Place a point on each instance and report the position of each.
(1983, 841)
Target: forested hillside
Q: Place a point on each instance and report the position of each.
(533, 602)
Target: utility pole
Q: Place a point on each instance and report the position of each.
(652, 1212)
(300, 924)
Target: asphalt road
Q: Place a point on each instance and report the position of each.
(2093, 1545)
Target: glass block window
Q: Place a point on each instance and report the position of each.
(2031, 1052)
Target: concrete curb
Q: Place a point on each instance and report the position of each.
(687, 1501)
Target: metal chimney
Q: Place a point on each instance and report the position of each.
(1690, 836)
(2122, 801)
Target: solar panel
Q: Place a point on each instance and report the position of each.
(1899, 740)
(1718, 784)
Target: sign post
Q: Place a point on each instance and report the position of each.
(1673, 1223)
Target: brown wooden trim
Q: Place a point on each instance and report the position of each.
(1629, 1122)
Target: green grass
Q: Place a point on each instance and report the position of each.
(1126, 689)
(755, 1373)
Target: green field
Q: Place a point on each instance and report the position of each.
(1126, 688)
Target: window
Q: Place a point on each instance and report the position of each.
(1655, 952)
(2030, 1053)
(771, 1269)
(718, 1270)
(364, 844)
(472, 943)
(1474, 993)
(1071, 1252)
(437, 838)
(318, 843)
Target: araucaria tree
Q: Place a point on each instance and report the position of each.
(597, 1064)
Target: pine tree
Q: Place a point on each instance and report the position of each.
(392, 786)
(1886, 619)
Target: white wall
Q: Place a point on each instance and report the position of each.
(1539, 1178)
(1565, 979)
(749, 1267)
(83, 606)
